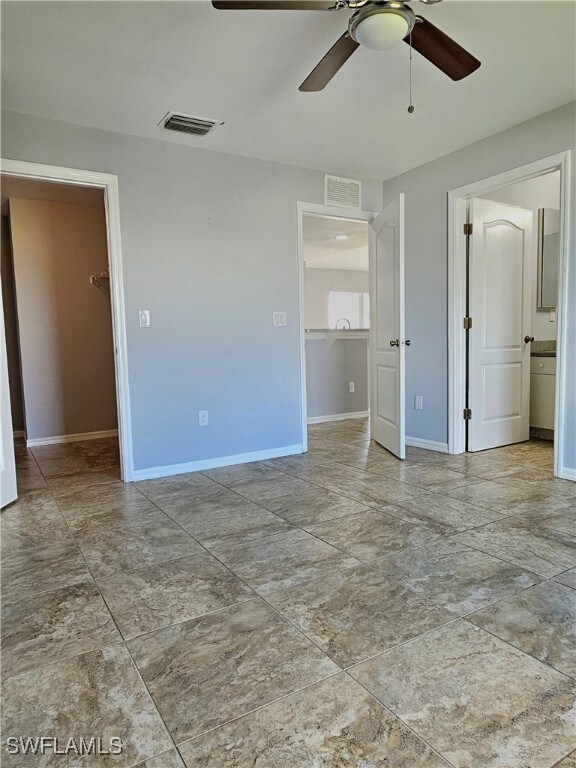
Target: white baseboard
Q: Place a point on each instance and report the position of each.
(224, 461)
(71, 438)
(428, 445)
(19, 433)
(567, 473)
(338, 417)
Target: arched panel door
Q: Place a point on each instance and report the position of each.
(499, 340)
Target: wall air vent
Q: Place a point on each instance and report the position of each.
(197, 126)
(345, 193)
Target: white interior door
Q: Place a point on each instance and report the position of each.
(499, 347)
(8, 490)
(387, 343)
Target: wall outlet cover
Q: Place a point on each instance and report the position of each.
(203, 419)
(418, 402)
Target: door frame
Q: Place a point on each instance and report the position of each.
(331, 212)
(457, 217)
(109, 184)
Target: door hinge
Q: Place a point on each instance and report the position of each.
(467, 323)
(467, 229)
(467, 414)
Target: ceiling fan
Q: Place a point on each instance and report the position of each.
(376, 24)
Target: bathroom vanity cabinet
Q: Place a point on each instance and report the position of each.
(542, 392)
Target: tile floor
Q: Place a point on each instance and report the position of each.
(335, 609)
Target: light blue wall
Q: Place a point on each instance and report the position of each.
(209, 244)
(330, 367)
(426, 191)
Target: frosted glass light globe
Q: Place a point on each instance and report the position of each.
(381, 30)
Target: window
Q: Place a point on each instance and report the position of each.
(348, 309)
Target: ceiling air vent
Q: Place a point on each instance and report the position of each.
(197, 126)
(345, 193)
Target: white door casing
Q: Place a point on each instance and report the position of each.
(109, 184)
(387, 392)
(499, 295)
(8, 490)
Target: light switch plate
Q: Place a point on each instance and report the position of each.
(278, 319)
(144, 318)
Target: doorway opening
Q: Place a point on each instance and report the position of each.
(507, 255)
(336, 317)
(63, 320)
(387, 344)
(334, 314)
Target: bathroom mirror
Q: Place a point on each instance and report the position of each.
(548, 250)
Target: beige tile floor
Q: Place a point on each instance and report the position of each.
(336, 609)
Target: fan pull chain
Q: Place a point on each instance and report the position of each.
(411, 107)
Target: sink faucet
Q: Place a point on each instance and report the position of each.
(345, 320)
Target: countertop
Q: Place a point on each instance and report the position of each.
(545, 348)
(330, 335)
(337, 330)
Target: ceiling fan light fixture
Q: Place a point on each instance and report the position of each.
(381, 27)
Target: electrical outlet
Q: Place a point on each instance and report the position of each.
(203, 420)
(419, 402)
(351, 386)
(144, 318)
(278, 319)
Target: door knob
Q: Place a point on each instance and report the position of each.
(395, 343)
(407, 342)
(528, 339)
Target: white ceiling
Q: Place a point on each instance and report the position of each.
(122, 65)
(323, 251)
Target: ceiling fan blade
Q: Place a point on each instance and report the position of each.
(441, 50)
(325, 70)
(274, 5)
